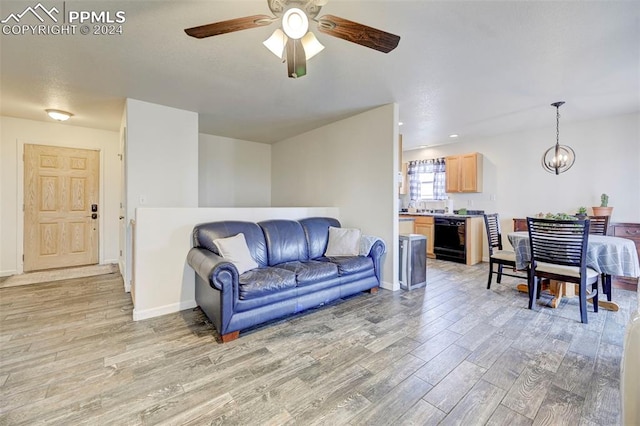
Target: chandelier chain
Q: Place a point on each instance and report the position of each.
(557, 125)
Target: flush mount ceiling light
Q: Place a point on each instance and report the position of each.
(58, 115)
(559, 158)
(294, 38)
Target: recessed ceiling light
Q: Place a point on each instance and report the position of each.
(453, 136)
(400, 123)
(59, 115)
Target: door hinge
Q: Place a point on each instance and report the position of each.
(23, 258)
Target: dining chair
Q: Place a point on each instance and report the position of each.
(599, 225)
(559, 252)
(497, 255)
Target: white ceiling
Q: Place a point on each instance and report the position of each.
(474, 68)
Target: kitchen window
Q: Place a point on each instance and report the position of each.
(426, 185)
(427, 179)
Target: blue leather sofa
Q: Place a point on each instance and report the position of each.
(293, 274)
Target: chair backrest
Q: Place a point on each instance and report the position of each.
(599, 225)
(562, 242)
(494, 235)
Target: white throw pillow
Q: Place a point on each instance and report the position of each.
(343, 242)
(235, 250)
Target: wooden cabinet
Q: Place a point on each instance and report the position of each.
(520, 225)
(632, 232)
(423, 225)
(403, 184)
(474, 239)
(464, 173)
(406, 226)
(404, 181)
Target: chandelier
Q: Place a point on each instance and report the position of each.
(559, 158)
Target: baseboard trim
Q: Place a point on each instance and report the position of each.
(8, 273)
(143, 314)
(390, 286)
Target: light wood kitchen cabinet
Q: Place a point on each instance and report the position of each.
(404, 182)
(474, 239)
(423, 225)
(464, 173)
(406, 225)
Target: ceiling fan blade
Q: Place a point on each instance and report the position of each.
(229, 26)
(358, 33)
(296, 59)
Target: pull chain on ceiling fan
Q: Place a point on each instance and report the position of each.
(294, 38)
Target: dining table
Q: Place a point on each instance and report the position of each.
(609, 255)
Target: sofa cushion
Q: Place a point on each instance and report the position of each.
(350, 265)
(205, 233)
(316, 230)
(235, 250)
(311, 272)
(285, 241)
(343, 242)
(263, 281)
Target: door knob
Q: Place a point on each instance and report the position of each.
(121, 217)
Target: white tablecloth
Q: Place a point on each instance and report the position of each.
(610, 255)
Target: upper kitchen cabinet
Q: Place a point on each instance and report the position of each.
(403, 184)
(464, 173)
(404, 181)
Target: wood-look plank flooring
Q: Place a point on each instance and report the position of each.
(450, 353)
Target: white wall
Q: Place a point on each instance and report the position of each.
(516, 185)
(233, 172)
(161, 162)
(607, 160)
(14, 133)
(164, 281)
(162, 156)
(349, 164)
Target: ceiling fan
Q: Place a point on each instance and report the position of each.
(295, 39)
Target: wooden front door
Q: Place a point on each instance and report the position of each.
(60, 187)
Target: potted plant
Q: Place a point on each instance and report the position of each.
(582, 213)
(604, 209)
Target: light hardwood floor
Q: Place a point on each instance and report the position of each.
(453, 353)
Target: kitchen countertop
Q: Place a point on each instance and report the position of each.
(446, 215)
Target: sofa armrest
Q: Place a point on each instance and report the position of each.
(212, 268)
(377, 250)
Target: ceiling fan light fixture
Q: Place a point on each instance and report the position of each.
(311, 45)
(295, 23)
(58, 115)
(276, 43)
